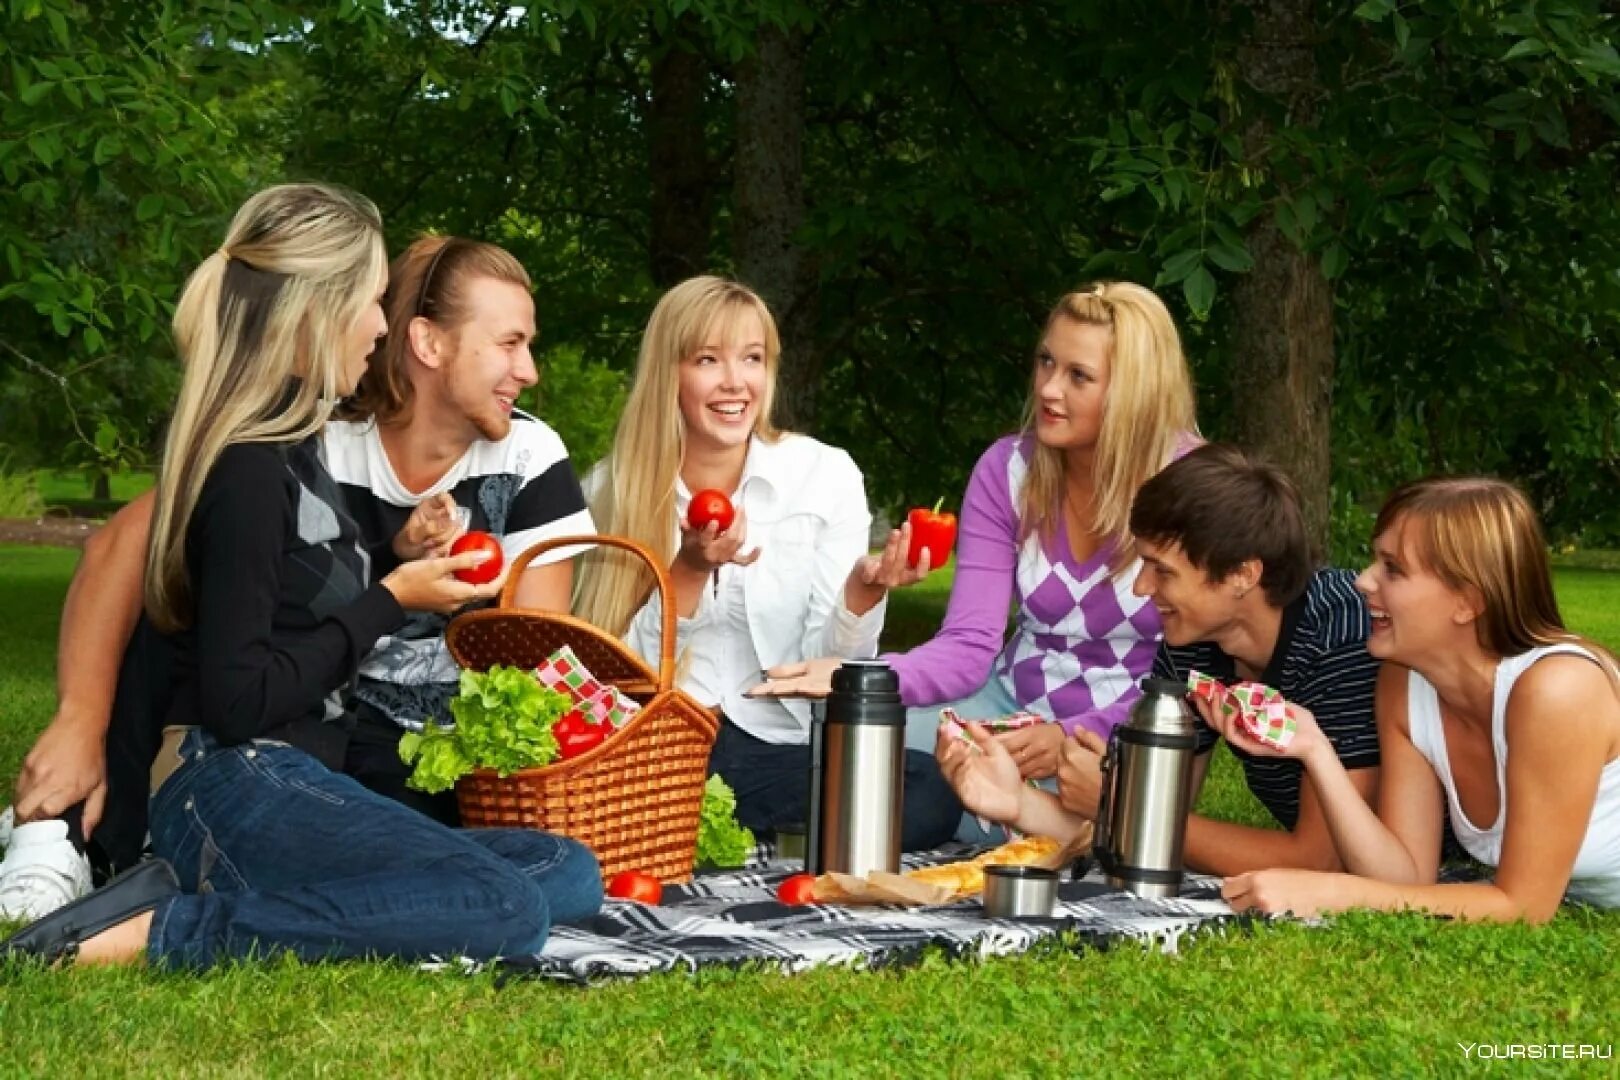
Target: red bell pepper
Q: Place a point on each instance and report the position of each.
(932, 530)
(577, 735)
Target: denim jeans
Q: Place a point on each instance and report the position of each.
(989, 702)
(276, 853)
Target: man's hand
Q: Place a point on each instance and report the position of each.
(1080, 773)
(67, 765)
(430, 530)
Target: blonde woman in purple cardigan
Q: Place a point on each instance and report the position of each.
(1045, 524)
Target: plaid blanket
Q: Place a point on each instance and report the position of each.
(733, 918)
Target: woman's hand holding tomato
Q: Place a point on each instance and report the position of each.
(709, 547)
(483, 544)
(434, 585)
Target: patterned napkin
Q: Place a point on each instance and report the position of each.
(563, 672)
(951, 723)
(1260, 711)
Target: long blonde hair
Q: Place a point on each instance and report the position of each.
(1479, 533)
(274, 304)
(634, 495)
(1148, 409)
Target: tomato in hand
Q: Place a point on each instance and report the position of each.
(708, 505)
(635, 885)
(798, 889)
(932, 530)
(486, 571)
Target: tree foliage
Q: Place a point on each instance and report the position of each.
(1451, 178)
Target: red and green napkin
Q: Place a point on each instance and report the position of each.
(1261, 712)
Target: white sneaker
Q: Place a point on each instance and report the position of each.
(41, 872)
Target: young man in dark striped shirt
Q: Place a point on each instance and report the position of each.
(1226, 560)
(1227, 563)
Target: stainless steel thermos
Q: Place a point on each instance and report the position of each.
(1146, 776)
(857, 772)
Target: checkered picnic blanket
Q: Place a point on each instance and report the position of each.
(733, 918)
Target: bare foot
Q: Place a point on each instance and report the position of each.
(124, 943)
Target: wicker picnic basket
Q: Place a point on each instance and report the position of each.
(635, 799)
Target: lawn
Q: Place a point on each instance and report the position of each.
(1387, 995)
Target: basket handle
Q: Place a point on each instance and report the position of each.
(666, 589)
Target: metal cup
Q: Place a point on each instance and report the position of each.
(1019, 892)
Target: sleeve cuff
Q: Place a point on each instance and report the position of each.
(856, 636)
(375, 614)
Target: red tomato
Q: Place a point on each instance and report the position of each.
(486, 571)
(798, 889)
(710, 505)
(635, 885)
(932, 530)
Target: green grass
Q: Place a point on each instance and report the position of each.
(1385, 995)
(67, 485)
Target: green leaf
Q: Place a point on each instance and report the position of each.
(46, 147)
(59, 27)
(1403, 32)
(1526, 47)
(1199, 289)
(1375, 10)
(1474, 174)
(1334, 261)
(1237, 260)
(34, 93)
(107, 148)
(106, 439)
(1178, 266)
(150, 206)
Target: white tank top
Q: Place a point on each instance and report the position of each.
(1595, 877)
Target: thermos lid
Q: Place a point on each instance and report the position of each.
(865, 677)
(865, 692)
(1166, 687)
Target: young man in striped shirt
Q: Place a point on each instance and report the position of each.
(1227, 564)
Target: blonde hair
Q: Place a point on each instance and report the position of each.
(635, 492)
(1148, 409)
(1478, 533)
(428, 281)
(299, 266)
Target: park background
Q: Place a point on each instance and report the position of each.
(1388, 233)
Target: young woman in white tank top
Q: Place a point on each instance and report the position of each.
(1489, 711)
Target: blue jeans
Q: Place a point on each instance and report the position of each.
(989, 702)
(276, 853)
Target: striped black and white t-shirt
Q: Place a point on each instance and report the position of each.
(522, 489)
(1320, 662)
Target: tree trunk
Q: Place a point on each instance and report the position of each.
(1282, 370)
(682, 200)
(769, 209)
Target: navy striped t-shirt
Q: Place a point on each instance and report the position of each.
(1320, 662)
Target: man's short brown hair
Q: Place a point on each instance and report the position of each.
(1223, 508)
